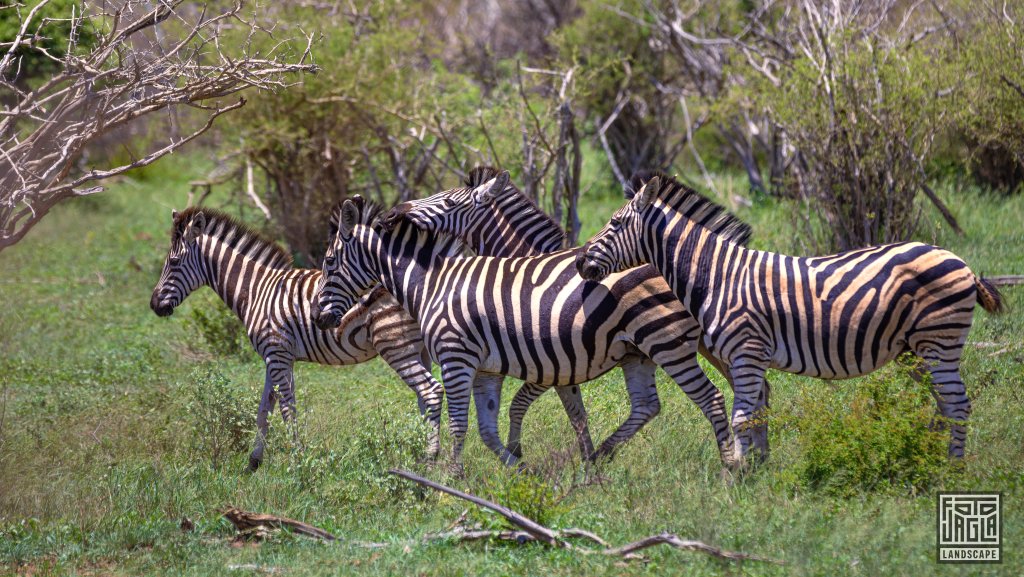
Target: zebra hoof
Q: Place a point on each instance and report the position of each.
(254, 463)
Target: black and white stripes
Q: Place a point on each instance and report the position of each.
(836, 316)
(255, 278)
(531, 318)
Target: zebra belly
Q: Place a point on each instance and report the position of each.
(559, 370)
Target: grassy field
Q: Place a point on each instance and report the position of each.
(109, 434)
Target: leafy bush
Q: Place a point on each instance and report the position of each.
(215, 328)
(220, 415)
(524, 493)
(881, 441)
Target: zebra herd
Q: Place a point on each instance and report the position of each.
(668, 277)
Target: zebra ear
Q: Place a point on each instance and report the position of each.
(488, 191)
(646, 194)
(194, 228)
(174, 214)
(349, 219)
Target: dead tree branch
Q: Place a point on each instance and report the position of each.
(195, 60)
(532, 531)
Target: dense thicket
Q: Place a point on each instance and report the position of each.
(847, 110)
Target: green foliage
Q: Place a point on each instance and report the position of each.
(216, 328)
(525, 493)
(53, 23)
(862, 126)
(880, 440)
(220, 415)
(990, 102)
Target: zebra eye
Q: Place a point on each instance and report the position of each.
(615, 222)
(448, 203)
(174, 260)
(329, 260)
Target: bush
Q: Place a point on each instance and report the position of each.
(881, 441)
(221, 416)
(215, 328)
(524, 493)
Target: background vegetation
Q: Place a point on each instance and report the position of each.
(115, 425)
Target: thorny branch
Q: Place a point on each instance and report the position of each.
(194, 60)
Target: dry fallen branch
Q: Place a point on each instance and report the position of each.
(532, 531)
(1006, 280)
(250, 523)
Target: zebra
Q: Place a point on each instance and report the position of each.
(494, 218)
(531, 318)
(833, 317)
(256, 280)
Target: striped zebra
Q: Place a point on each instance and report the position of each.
(530, 318)
(256, 280)
(833, 317)
(494, 218)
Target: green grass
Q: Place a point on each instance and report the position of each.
(98, 464)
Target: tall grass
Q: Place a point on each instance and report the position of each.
(99, 459)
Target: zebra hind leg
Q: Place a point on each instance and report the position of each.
(643, 400)
(951, 398)
(487, 395)
(524, 397)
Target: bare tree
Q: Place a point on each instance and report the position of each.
(148, 57)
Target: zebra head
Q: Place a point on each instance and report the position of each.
(457, 211)
(616, 247)
(346, 275)
(183, 270)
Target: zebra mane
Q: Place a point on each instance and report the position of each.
(479, 175)
(483, 173)
(369, 210)
(693, 206)
(246, 239)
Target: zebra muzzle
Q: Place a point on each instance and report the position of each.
(162, 307)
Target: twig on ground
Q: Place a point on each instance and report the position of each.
(533, 531)
(246, 522)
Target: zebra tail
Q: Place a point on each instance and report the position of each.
(988, 296)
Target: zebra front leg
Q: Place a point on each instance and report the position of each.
(686, 373)
(760, 430)
(748, 385)
(458, 380)
(524, 397)
(487, 395)
(280, 371)
(572, 402)
(413, 367)
(267, 402)
(643, 401)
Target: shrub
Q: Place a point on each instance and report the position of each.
(220, 415)
(215, 328)
(881, 441)
(524, 493)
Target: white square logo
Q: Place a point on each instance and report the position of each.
(969, 528)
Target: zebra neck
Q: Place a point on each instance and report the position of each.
(237, 276)
(696, 265)
(517, 231)
(403, 272)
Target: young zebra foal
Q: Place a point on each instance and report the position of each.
(256, 280)
(483, 317)
(834, 317)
